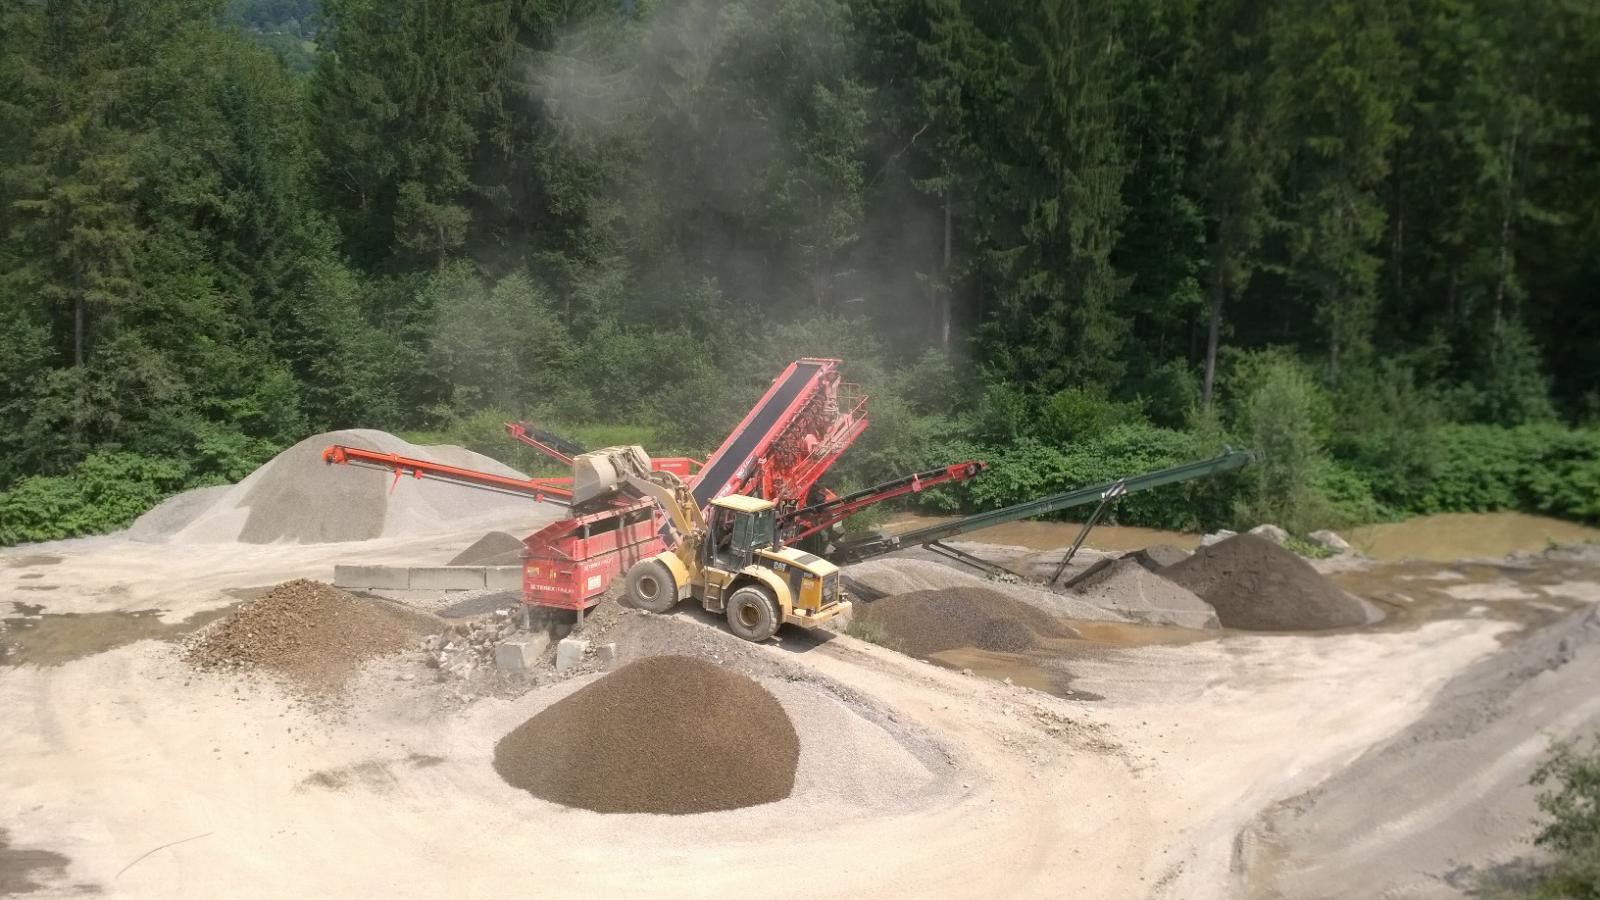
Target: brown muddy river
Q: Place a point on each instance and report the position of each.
(1451, 536)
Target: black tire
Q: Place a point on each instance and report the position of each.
(650, 587)
(753, 613)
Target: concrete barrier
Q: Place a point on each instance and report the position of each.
(446, 578)
(390, 578)
(502, 578)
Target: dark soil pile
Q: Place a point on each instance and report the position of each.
(923, 622)
(310, 631)
(497, 548)
(666, 734)
(1257, 585)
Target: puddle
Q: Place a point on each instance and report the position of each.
(26, 870)
(1415, 592)
(1452, 536)
(52, 639)
(1056, 535)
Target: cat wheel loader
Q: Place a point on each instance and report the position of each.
(732, 564)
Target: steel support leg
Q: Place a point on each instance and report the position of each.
(962, 556)
(1106, 500)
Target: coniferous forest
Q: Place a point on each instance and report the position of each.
(1077, 239)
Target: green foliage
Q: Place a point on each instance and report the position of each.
(1279, 419)
(1482, 468)
(1571, 778)
(1028, 469)
(106, 491)
(1338, 232)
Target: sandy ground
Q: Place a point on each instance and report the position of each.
(147, 779)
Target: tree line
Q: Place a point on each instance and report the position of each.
(1342, 228)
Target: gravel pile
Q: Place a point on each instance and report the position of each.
(667, 734)
(297, 497)
(314, 633)
(1158, 557)
(1256, 585)
(897, 575)
(925, 622)
(497, 548)
(1127, 585)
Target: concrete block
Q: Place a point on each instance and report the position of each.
(1331, 541)
(502, 578)
(520, 653)
(446, 578)
(569, 652)
(389, 578)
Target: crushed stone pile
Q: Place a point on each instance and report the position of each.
(1256, 585)
(897, 575)
(296, 497)
(1125, 584)
(312, 632)
(1158, 557)
(497, 548)
(667, 734)
(925, 622)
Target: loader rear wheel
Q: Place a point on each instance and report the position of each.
(650, 587)
(753, 613)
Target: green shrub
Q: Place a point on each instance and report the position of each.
(1029, 469)
(106, 491)
(1280, 417)
(1536, 468)
(1571, 776)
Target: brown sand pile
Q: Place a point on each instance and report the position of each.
(1257, 585)
(666, 734)
(309, 631)
(924, 622)
(497, 548)
(1127, 586)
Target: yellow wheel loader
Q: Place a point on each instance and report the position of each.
(732, 564)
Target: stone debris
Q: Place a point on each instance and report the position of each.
(465, 647)
(312, 632)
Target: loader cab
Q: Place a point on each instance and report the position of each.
(740, 526)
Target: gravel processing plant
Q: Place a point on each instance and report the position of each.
(324, 682)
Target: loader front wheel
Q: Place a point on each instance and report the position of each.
(650, 587)
(753, 613)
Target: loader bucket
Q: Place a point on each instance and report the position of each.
(603, 472)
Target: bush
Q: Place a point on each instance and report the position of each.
(106, 491)
(1029, 469)
(1536, 468)
(1280, 417)
(1572, 800)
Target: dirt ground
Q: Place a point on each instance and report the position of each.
(1210, 764)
